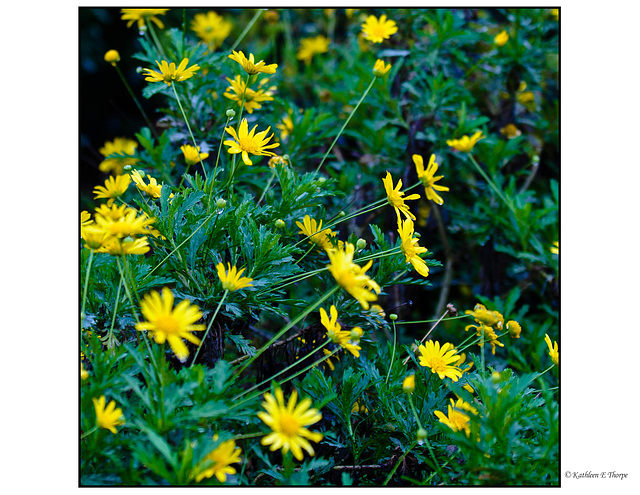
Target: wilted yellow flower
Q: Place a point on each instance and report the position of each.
(249, 142)
(553, 350)
(222, 457)
(458, 418)
(112, 56)
(192, 154)
(276, 160)
(501, 38)
(249, 65)
(441, 360)
(380, 68)
(510, 131)
(232, 279)
(428, 178)
(490, 335)
(113, 188)
(409, 247)
(288, 423)
(312, 46)
(211, 28)
(514, 328)
(486, 317)
(351, 277)
(123, 149)
(377, 30)
(169, 73)
(142, 15)
(252, 98)
(465, 143)
(166, 323)
(396, 197)
(107, 417)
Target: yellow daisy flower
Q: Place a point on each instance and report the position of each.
(345, 339)
(458, 418)
(285, 126)
(313, 230)
(252, 98)
(85, 218)
(115, 246)
(501, 38)
(129, 224)
(169, 73)
(107, 417)
(377, 30)
(410, 247)
(113, 212)
(123, 148)
(232, 279)
(442, 360)
(465, 143)
(191, 154)
(166, 323)
(153, 189)
(312, 46)
(113, 188)
(427, 178)
(289, 423)
(351, 277)
(211, 28)
(142, 15)
(380, 68)
(249, 142)
(84, 374)
(396, 197)
(553, 350)
(249, 65)
(222, 457)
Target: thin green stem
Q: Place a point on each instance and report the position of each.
(482, 371)
(89, 432)
(195, 145)
(226, 292)
(290, 325)
(426, 440)
(395, 468)
(215, 168)
(493, 186)
(135, 99)
(345, 124)
(246, 29)
(431, 321)
(233, 161)
(393, 354)
(115, 312)
(86, 285)
(293, 365)
(266, 188)
(156, 40)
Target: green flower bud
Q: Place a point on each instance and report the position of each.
(231, 113)
(393, 317)
(422, 434)
(280, 223)
(361, 244)
(221, 203)
(342, 214)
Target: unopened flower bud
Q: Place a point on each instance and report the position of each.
(514, 329)
(342, 214)
(280, 223)
(127, 168)
(393, 317)
(231, 113)
(495, 377)
(139, 70)
(409, 384)
(361, 244)
(356, 334)
(221, 203)
(422, 434)
(112, 56)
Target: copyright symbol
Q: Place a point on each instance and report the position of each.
(567, 474)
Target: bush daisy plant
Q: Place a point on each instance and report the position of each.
(328, 256)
